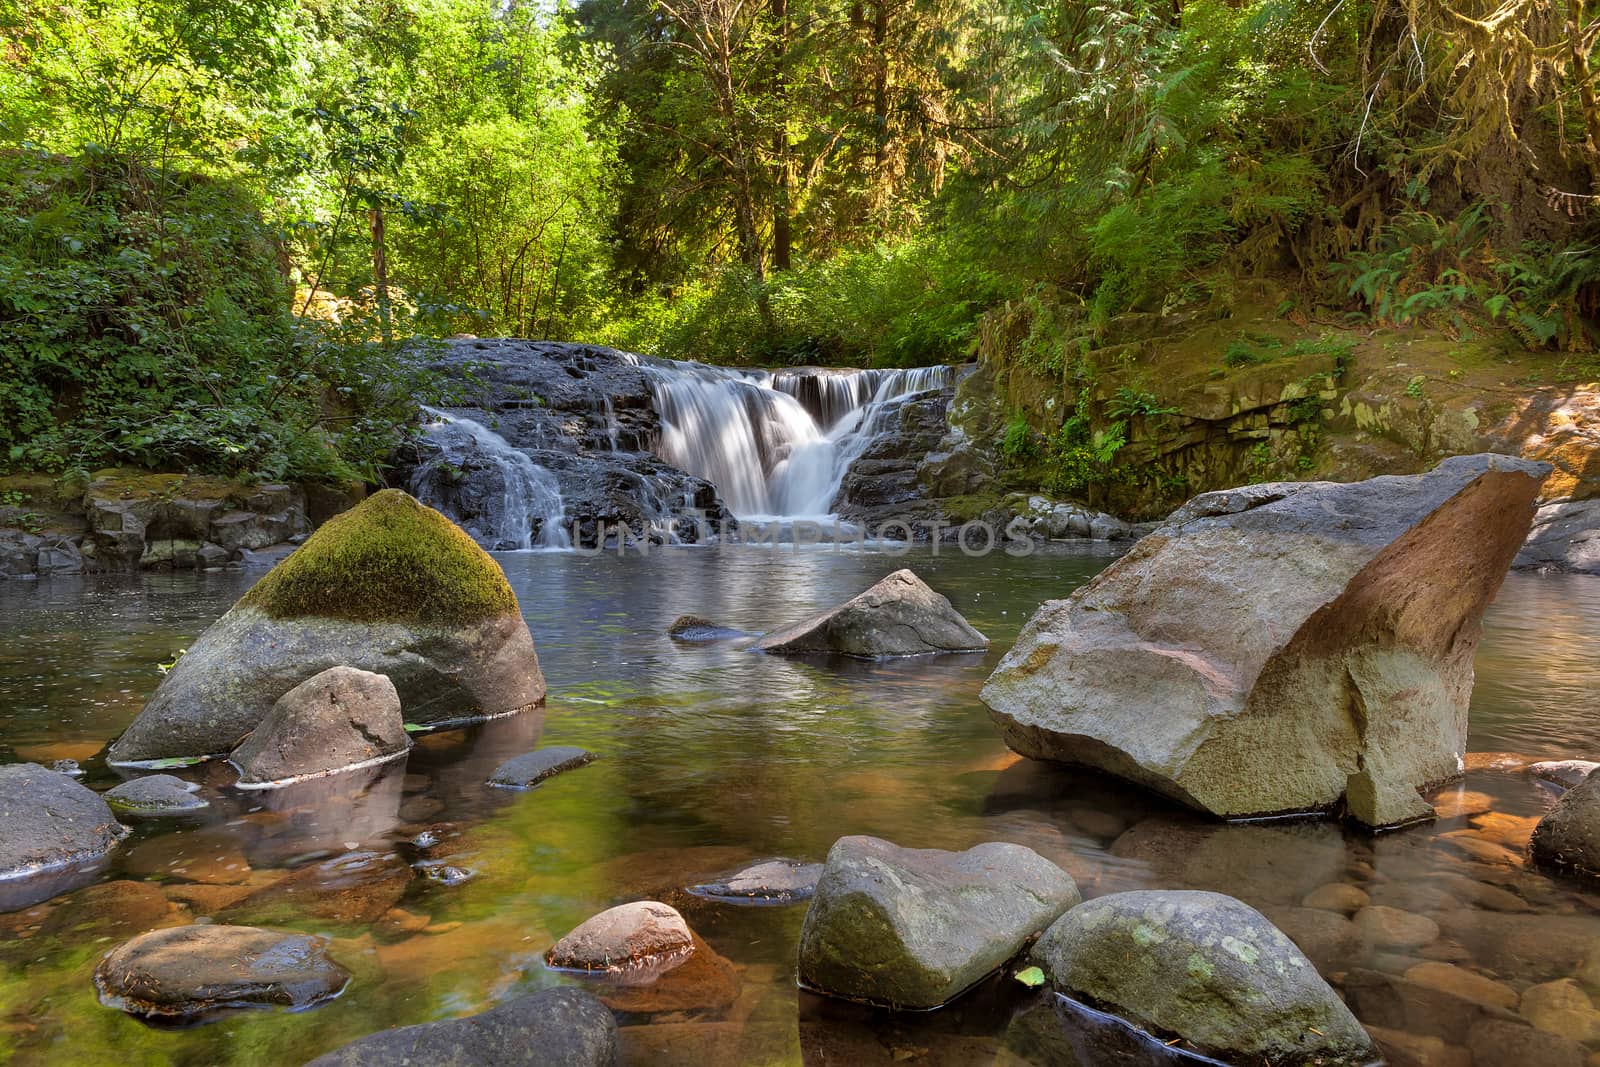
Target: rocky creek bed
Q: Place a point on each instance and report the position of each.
(439, 895)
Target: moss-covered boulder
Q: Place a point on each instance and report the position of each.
(391, 587)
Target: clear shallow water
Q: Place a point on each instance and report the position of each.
(712, 757)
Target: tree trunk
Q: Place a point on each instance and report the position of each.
(380, 272)
(782, 224)
(1586, 94)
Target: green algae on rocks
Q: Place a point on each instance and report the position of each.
(389, 559)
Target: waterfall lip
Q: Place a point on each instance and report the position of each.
(530, 492)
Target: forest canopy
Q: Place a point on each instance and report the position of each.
(218, 218)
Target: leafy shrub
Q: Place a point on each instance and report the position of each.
(1018, 446)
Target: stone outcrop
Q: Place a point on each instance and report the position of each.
(1569, 837)
(899, 616)
(390, 587)
(340, 720)
(1204, 967)
(48, 820)
(550, 1028)
(1272, 648)
(645, 935)
(187, 973)
(916, 928)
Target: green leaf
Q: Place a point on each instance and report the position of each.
(1032, 977)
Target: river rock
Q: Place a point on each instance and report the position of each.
(1563, 772)
(49, 820)
(915, 928)
(550, 1028)
(390, 587)
(531, 768)
(1384, 927)
(769, 882)
(188, 972)
(1267, 645)
(1569, 837)
(900, 616)
(1563, 1008)
(643, 935)
(1497, 1042)
(1206, 967)
(155, 794)
(340, 720)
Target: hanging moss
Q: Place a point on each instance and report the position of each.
(390, 559)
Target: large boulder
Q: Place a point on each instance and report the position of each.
(644, 935)
(190, 972)
(900, 616)
(550, 1028)
(1271, 649)
(340, 720)
(48, 820)
(1569, 837)
(391, 587)
(1204, 967)
(916, 928)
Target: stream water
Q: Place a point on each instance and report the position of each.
(711, 757)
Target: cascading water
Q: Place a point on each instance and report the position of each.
(776, 443)
(529, 513)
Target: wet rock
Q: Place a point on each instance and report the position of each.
(1401, 1049)
(706, 982)
(189, 972)
(356, 889)
(1278, 630)
(208, 855)
(1461, 803)
(645, 935)
(1260, 864)
(1327, 938)
(110, 909)
(915, 928)
(1511, 831)
(447, 874)
(1337, 896)
(1563, 1008)
(390, 587)
(1569, 837)
(1565, 537)
(1460, 982)
(48, 820)
(1205, 967)
(900, 616)
(340, 720)
(531, 768)
(1565, 773)
(1532, 947)
(695, 628)
(550, 1028)
(769, 882)
(1496, 1042)
(154, 795)
(1385, 927)
(204, 899)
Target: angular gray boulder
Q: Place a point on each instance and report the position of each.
(340, 720)
(48, 820)
(155, 795)
(1268, 648)
(391, 587)
(900, 616)
(1568, 838)
(916, 928)
(550, 1028)
(191, 972)
(778, 881)
(531, 768)
(1207, 968)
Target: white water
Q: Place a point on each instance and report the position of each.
(749, 434)
(532, 495)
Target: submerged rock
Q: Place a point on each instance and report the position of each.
(189, 972)
(48, 820)
(768, 882)
(340, 720)
(531, 768)
(1207, 968)
(1565, 772)
(916, 928)
(900, 616)
(1569, 837)
(1266, 646)
(390, 587)
(155, 794)
(643, 935)
(550, 1028)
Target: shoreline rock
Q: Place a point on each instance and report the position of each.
(645, 937)
(49, 821)
(155, 795)
(343, 719)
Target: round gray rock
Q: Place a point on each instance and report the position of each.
(915, 928)
(338, 720)
(1569, 837)
(189, 972)
(551, 1028)
(531, 768)
(1206, 967)
(49, 820)
(155, 794)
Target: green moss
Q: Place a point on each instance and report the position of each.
(389, 559)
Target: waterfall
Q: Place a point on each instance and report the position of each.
(776, 443)
(528, 513)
